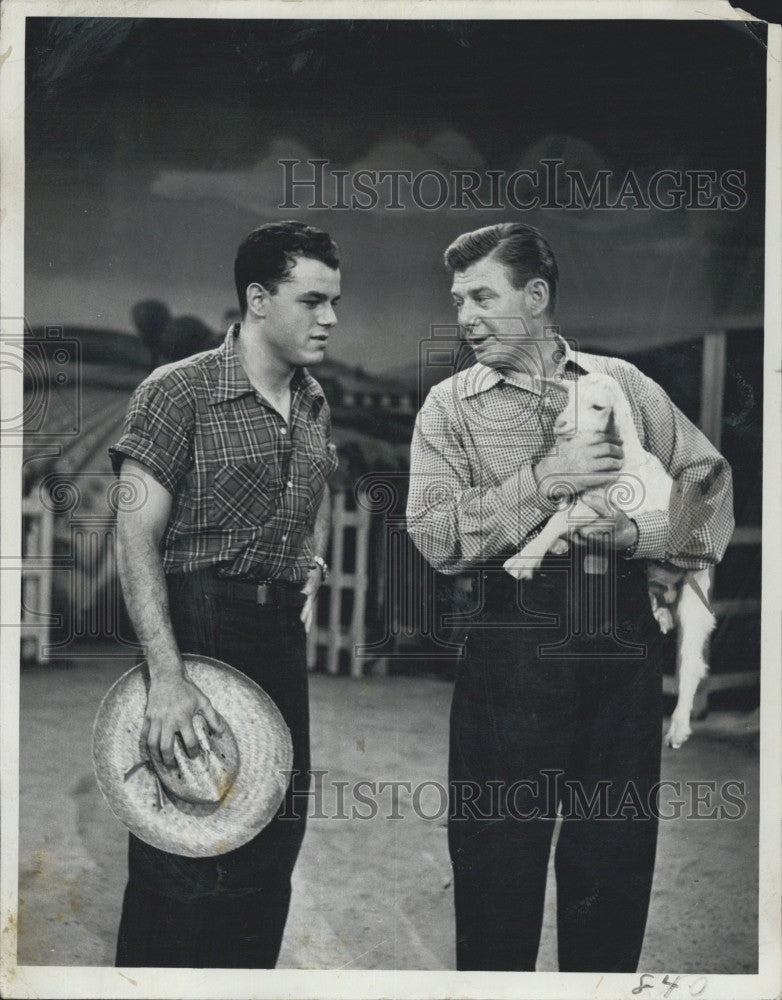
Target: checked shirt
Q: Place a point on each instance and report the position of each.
(246, 485)
(473, 494)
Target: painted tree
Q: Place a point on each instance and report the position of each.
(151, 317)
(186, 335)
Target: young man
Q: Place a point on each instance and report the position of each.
(558, 699)
(226, 455)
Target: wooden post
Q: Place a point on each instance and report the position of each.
(336, 582)
(360, 583)
(713, 385)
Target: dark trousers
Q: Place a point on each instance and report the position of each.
(227, 911)
(575, 726)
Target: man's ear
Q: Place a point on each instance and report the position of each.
(257, 299)
(537, 292)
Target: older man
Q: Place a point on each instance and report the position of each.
(557, 703)
(229, 451)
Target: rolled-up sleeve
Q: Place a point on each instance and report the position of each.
(699, 522)
(453, 522)
(157, 432)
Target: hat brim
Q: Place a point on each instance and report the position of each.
(133, 793)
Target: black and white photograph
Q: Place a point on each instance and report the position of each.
(390, 493)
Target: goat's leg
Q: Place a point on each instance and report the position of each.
(695, 622)
(522, 566)
(662, 614)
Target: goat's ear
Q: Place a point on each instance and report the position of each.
(621, 417)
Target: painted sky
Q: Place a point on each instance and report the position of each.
(153, 147)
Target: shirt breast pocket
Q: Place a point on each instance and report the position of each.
(244, 495)
(321, 464)
(324, 463)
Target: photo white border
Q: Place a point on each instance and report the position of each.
(51, 981)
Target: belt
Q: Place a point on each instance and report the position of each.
(276, 593)
(550, 588)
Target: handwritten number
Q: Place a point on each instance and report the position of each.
(696, 988)
(671, 985)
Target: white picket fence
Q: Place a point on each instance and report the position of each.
(38, 564)
(342, 601)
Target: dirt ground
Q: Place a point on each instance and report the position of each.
(371, 893)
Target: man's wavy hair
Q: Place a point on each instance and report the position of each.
(268, 254)
(522, 249)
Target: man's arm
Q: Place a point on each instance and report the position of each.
(699, 524)
(172, 700)
(695, 530)
(320, 541)
(456, 524)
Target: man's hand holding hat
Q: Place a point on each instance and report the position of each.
(209, 804)
(172, 703)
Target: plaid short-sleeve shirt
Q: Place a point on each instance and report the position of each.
(246, 485)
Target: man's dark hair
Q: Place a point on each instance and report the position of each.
(523, 249)
(269, 253)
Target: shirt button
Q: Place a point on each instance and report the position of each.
(283, 430)
(285, 537)
(289, 484)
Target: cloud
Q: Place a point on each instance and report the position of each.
(260, 188)
(257, 189)
(446, 150)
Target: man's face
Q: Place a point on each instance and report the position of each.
(495, 317)
(300, 314)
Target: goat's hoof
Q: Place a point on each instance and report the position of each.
(559, 547)
(518, 569)
(521, 574)
(678, 733)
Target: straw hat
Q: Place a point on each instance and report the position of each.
(212, 803)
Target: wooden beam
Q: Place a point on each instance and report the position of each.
(747, 535)
(360, 582)
(718, 682)
(335, 582)
(713, 385)
(737, 606)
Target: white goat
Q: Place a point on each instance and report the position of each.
(597, 403)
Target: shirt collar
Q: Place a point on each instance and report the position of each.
(232, 381)
(479, 378)
(575, 358)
